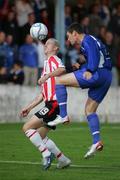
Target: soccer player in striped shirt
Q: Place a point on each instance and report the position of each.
(36, 128)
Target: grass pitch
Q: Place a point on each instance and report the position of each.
(20, 160)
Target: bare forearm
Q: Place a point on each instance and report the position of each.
(57, 72)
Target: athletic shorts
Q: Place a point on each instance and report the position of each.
(48, 113)
(98, 84)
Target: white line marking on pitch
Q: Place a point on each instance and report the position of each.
(38, 163)
(53, 164)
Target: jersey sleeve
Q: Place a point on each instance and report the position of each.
(93, 54)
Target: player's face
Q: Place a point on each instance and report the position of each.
(49, 47)
(71, 37)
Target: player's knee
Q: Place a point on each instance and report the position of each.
(88, 110)
(25, 128)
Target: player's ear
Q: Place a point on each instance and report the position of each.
(74, 33)
(56, 48)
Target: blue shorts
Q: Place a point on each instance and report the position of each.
(98, 84)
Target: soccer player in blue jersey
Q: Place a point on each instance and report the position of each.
(95, 75)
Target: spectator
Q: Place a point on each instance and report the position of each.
(23, 8)
(44, 18)
(2, 49)
(113, 54)
(39, 5)
(85, 23)
(10, 26)
(68, 16)
(28, 55)
(105, 12)
(102, 32)
(16, 75)
(11, 52)
(114, 8)
(95, 20)
(75, 17)
(114, 25)
(26, 27)
(80, 8)
(68, 64)
(72, 56)
(4, 8)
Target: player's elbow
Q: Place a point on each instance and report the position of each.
(62, 71)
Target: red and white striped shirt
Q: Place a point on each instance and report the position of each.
(48, 88)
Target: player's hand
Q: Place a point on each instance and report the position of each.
(43, 79)
(24, 112)
(87, 75)
(76, 66)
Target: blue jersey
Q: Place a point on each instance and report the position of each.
(95, 53)
(28, 55)
(99, 63)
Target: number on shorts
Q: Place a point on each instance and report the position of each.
(43, 111)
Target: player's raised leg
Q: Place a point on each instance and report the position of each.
(67, 80)
(61, 93)
(93, 122)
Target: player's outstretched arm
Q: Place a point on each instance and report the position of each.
(59, 71)
(25, 111)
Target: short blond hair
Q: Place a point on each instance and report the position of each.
(55, 41)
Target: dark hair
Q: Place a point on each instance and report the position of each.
(19, 63)
(75, 27)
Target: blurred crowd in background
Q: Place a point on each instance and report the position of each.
(21, 58)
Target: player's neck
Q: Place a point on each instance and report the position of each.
(81, 37)
(51, 54)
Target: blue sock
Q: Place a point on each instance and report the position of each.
(61, 94)
(94, 126)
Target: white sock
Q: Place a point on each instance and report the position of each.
(36, 139)
(53, 148)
